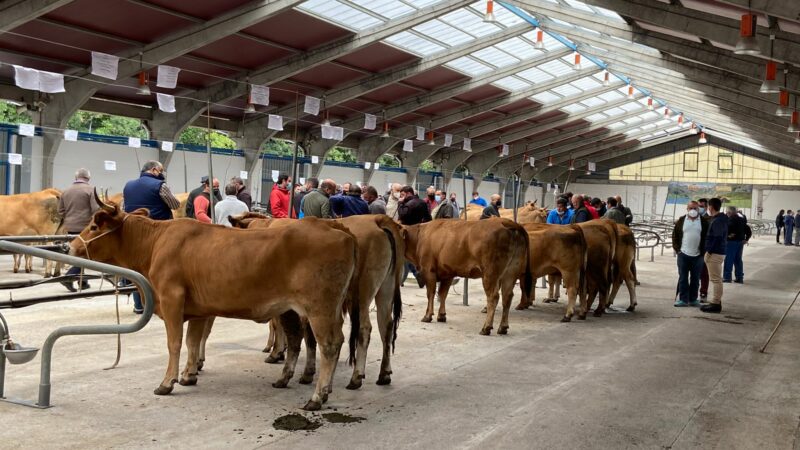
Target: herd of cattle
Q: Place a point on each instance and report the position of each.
(310, 274)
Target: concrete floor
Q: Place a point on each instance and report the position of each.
(661, 377)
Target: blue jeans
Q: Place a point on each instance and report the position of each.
(137, 299)
(409, 268)
(733, 261)
(689, 269)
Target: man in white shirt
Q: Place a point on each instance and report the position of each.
(688, 241)
(229, 206)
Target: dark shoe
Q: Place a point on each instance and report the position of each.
(680, 303)
(69, 286)
(739, 281)
(694, 304)
(711, 308)
(138, 311)
(726, 281)
(85, 285)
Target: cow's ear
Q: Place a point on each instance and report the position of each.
(102, 218)
(142, 212)
(404, 233)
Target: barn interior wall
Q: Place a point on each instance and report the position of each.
(457, 185)
(488, 188)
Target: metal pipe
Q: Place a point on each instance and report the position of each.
(47, 349)
(71, 296)
(294, 155)
(465, 296)
(38, 238)
(211, 197)
(775, 330)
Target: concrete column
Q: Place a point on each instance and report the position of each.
(654, 200)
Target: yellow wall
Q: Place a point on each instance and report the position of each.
(745, 170)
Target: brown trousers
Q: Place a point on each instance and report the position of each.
(714, 264)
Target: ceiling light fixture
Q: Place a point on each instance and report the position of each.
(783, 105)
(747, 43)
(539, 45)
(702, 139)
(489, 16)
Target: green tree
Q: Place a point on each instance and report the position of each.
(198, 136)
(9, 114)
(428, 166)
(97, 123)
(389, 160)
(280, 147)
(341, 154)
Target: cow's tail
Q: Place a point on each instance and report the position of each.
(527, 276)
(585, 263)
(392, 233)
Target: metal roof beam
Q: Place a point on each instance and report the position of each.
(14, 13)
(786, 9)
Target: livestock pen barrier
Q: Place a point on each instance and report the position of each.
(16, 354)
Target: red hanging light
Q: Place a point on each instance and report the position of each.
(794, 122)
(539, 40)
(630, 92)
(385, 133)
(783, 105)
(606, 78)
(489, 16)
(144, 88)
(577, 65)
(650, 103)
(770, 84)
(702, 139)
(747, 44)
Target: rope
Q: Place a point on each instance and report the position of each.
(775, 330)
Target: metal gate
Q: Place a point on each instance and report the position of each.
(280, 164)
(425, 179)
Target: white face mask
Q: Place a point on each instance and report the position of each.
(693, 213)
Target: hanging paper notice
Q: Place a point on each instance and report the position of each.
(166, 103)
(367, 165)
(331, 132)
(134, 142)
(504, 150)
(275, 122)
(26, 129)
(259, 95)
(377, 166)
(275, 174)
(408, 145)
(26, 78)
(302, 180)
(167, 76)
(370, 121)
(110, 165)
(314, 159)
(243, 174)
(448, 140)
(71, 135)
(420, 133)
(51, 83)
(530, 160)
(468, 144)
(338, 133)
(166, 146)
(592, 166)
(311, 105)
(15, 159)
(104, 65)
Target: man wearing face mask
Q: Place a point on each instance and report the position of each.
(561, 215)
(149, 191)
(716, 241)
(430, 199)
(202, 203)
(190, 213)
(393, 201)
(478, 200)
(493, 209)
(279, 197)
(445, 210)
(703, 207)
(688, 241)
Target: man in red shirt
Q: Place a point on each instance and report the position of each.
(592, 209)
(202, 203)
(279, 197)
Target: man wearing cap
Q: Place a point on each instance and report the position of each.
(190, 213)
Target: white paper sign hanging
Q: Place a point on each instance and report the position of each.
(592, 166)
(275, 174)
(408, 145)
(370, 121)
(15, 159)
(110, 165)
(26, 78)
(314, 159)
(167, 77)
(243, 174)
(448, 140)
(530, 160)
(367, 165)
(134, 142)
(338, 133)
(166, 103)
(104, 65)
(167, 146)
(27, 129)
(275, 122)
(376, 166)
(259, 95)
(420, 133)
(468, 144)
(51, 83)
(71, 135)
(331, 132)
(311, 105)
(504, 150)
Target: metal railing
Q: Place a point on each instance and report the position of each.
(136, 278)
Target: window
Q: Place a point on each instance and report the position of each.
(690, 161)
(725, 163)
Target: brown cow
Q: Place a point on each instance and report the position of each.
(495, 250)
(529, 213)
(623, 264)
(601, 243)
(558, 250)
(32, 214)
(380, 271)
(176, 258)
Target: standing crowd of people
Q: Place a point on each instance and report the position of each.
(788, 223)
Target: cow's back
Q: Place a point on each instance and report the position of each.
(463, 247)
(35, 213)
(553, 246)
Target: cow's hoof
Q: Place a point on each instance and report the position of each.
(307, 378)
(566, 319)
(384, 379)
(484, 310)
(274, 359)
(325, 396)
(200, 364)
(27, 270)
(597, 312)
(441, 318)
(427, 319)
(16, 270)
(47, 275)
(267, 349)
(502, 330)
(191, 380)
(312, 406)
(281, 384)
(581, 316)
(354, 384)
(486, 331)
(163, 390)
(631, 308)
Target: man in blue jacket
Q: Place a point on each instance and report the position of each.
(561, 215)
(349, 204)
(716, 243)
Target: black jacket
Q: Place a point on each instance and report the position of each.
(490, 211)
(677, 234)
(412, 211)
(779, 221)
(581, 215)
(193, 195)
(737, 228)
(244, 196)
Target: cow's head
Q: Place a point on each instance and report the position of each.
(247, 219)
(101, 240)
